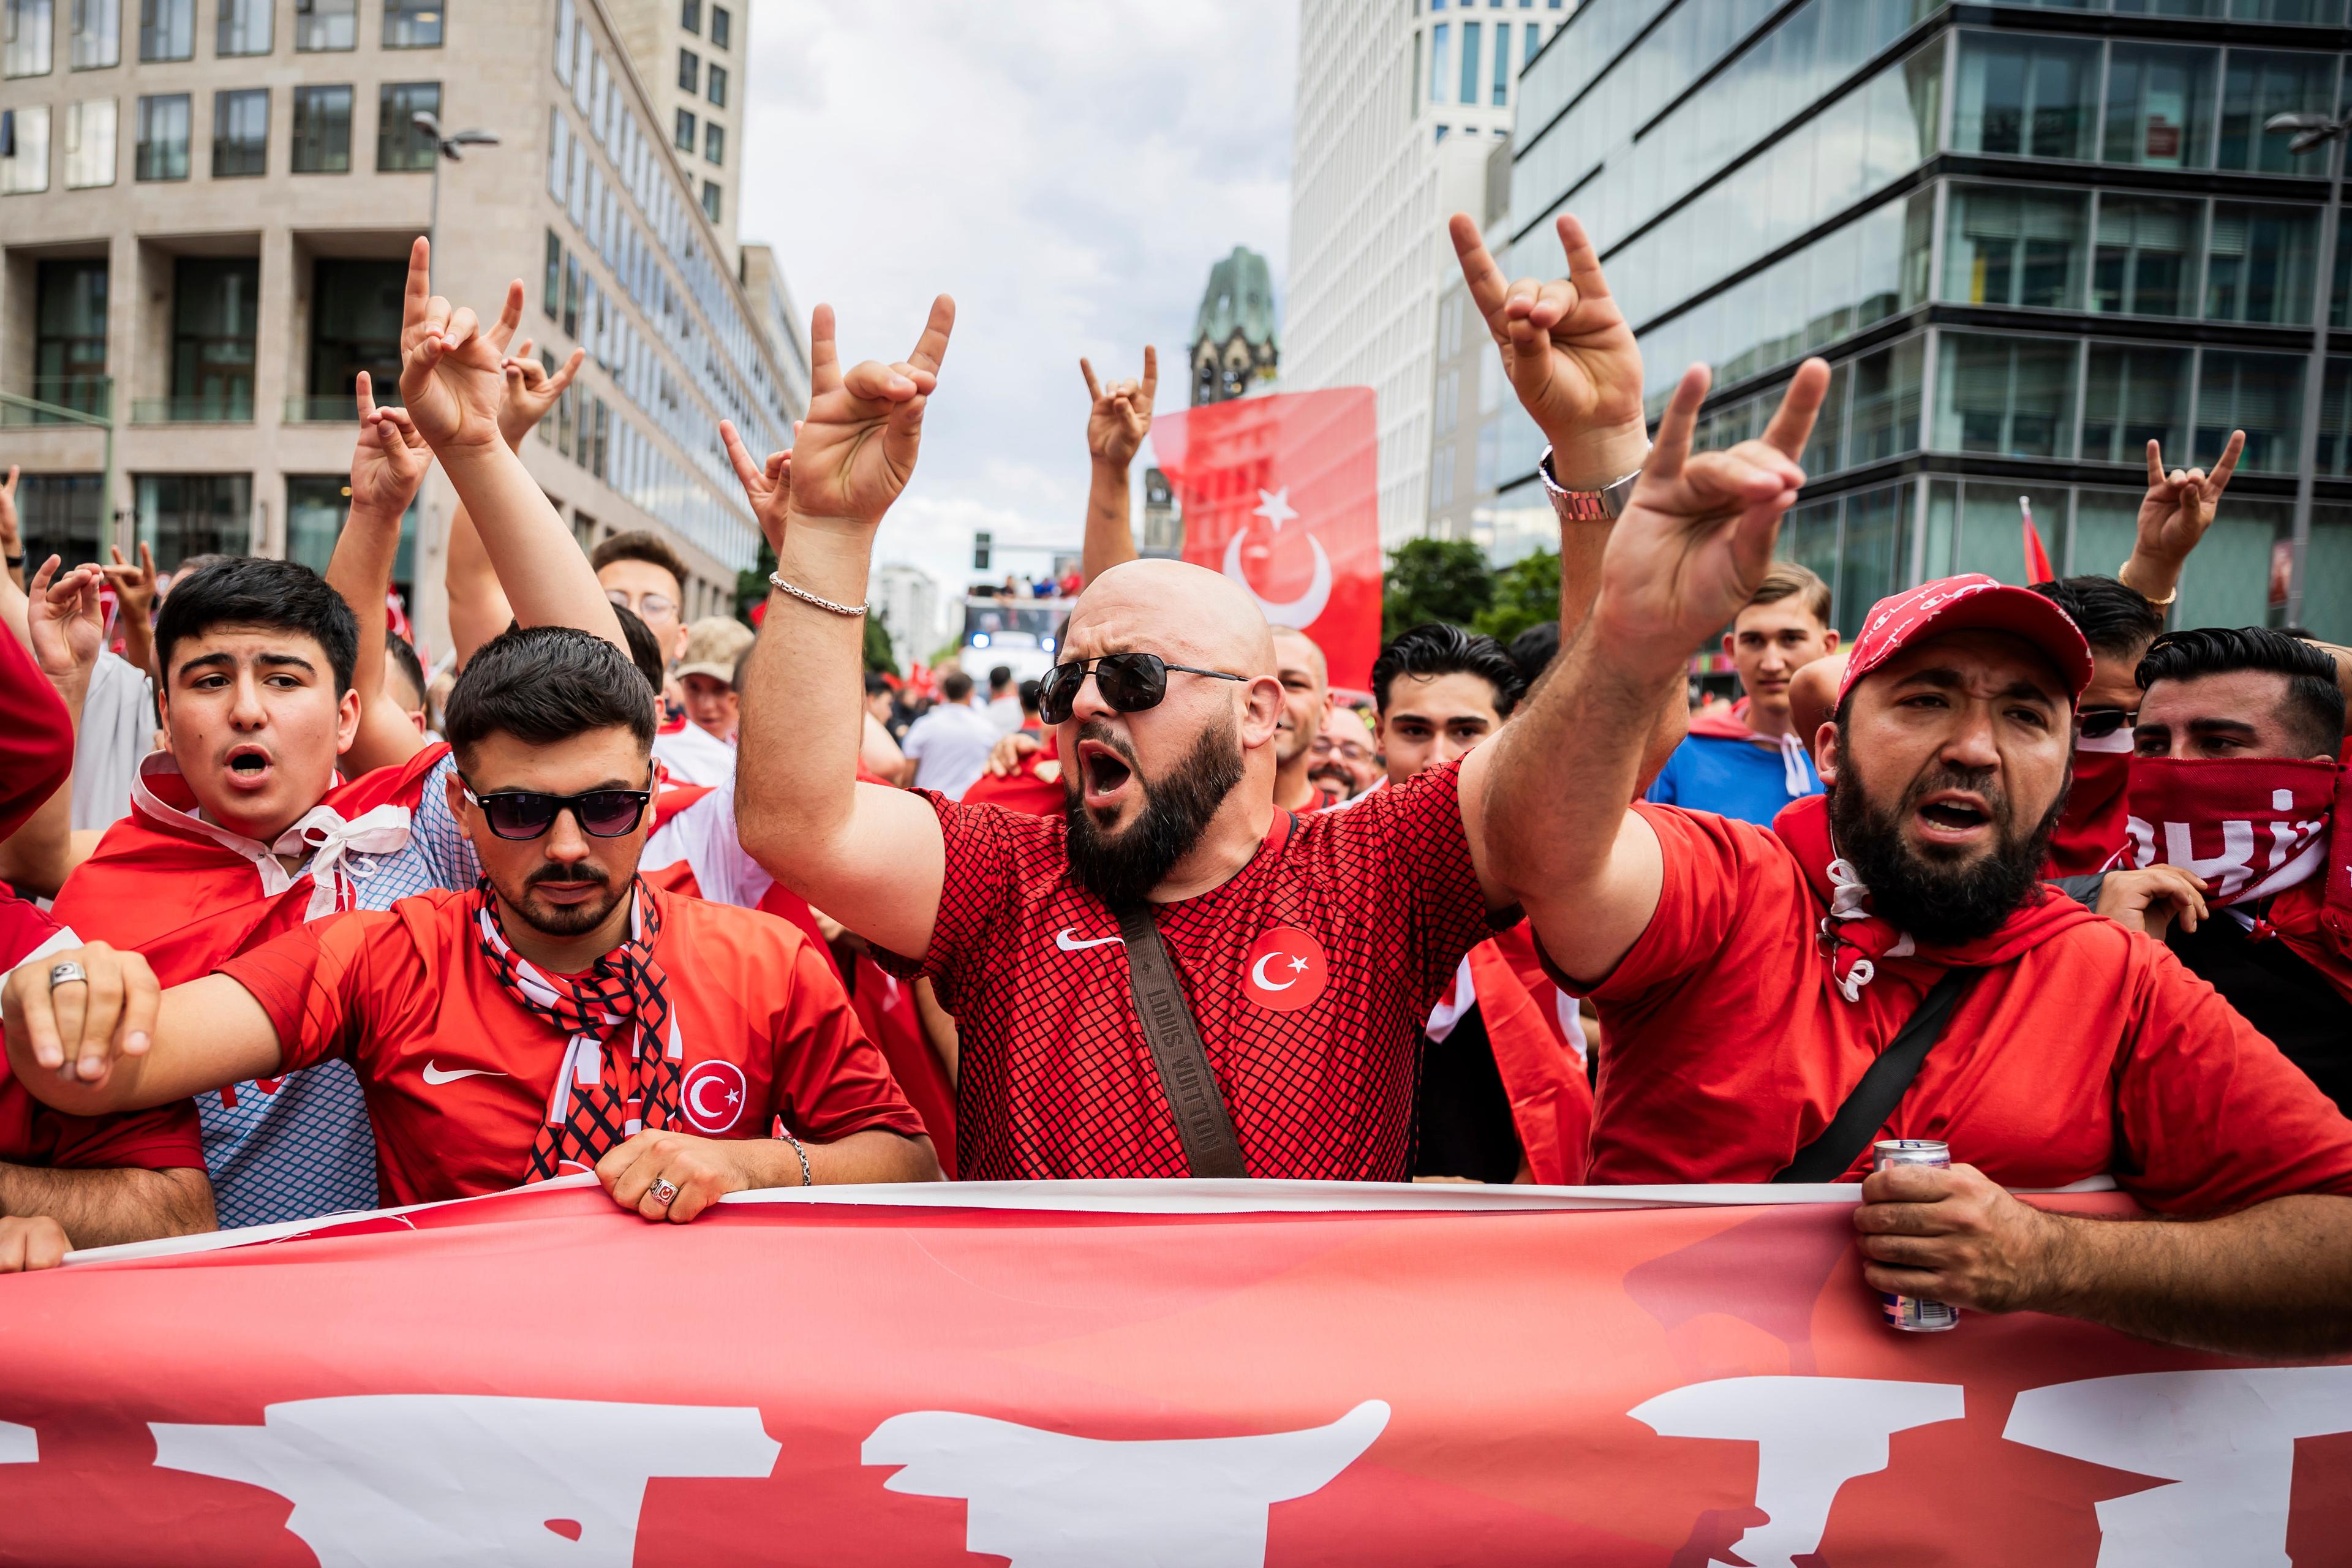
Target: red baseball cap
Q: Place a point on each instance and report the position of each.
(1957, 603)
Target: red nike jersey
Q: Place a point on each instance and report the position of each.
(1310, 974)
(457, 1073)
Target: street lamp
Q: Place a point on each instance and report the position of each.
(428, 125)
(2310, 131)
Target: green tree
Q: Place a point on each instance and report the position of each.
(751, 588)
(1435, 580)
(880, 654)
(1526, 593)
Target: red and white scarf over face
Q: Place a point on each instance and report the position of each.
(2251, 827)
(622, 1069)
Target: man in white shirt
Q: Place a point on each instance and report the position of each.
(950, 744)
(1003, 701)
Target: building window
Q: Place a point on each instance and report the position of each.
(182, 516)
(161, 152)
(2159, 106)
(244, 28)
(322, 130)
(58, 514)
(2259, 393)
(2010, 246)
(2260, 263)
(326, 24)
(717, 85)
(685, 136)
(355, 308)
(551, 286)
(27, 27)
(400, 145)
(25, 150)
(89, 144)
(97, 34)
(167, 29)
(213, 304)
(240, 133)
(690, 16)
(689, 71)
(710, 200)
(722, 27)
(1414, 111)
(2261, 85)
(572, 298)
(413, 23)
(1886, 395)
(1441, 56)
(2135, 394)
(1502, 85)
(2034, 98)
(2010, 395)
(2146, 261)
(714, 143)
(1531, 39)
(1470, 37)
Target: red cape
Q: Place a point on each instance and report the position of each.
(1551, 1098)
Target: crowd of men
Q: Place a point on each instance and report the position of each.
(697, 912)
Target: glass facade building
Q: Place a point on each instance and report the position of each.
(2028, 239)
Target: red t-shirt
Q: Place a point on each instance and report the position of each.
(1727, 1047)
(1034, 785)
(457, 1073)
(1310, 973)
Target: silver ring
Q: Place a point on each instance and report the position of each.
(664, 1190)
(66, 973)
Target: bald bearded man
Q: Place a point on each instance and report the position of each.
(1306, 950)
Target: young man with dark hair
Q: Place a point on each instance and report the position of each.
(404, 681)
(2236, 860)
(644, 572)
(2118, 623)
(1439, 690)
(1003, 702)
(530, 1028)
(242, 829)
(1534, 650)
(947, 747)
(1750, 763)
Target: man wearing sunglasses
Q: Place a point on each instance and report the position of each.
(563, 1017)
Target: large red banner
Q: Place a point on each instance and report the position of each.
(1191, 1374)
(1282, 494)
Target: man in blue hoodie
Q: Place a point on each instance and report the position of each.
(1751, 764)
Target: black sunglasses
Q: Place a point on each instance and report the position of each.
(2097, 723)
(522, 814)
(1130, 682)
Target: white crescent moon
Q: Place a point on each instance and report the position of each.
(694, 1099)
(1258, 974)
(1299, 612)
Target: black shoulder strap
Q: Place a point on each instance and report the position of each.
(1202, 1120)
(1855, 1126)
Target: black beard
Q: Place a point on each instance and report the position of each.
(563, 920)
(1122, 869)
(1940, 903)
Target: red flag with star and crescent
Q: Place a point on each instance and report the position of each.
(1282, 494)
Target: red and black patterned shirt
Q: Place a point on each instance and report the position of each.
(1309, 975)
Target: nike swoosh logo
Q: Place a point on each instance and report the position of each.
(435, 1074)
(1068, 943)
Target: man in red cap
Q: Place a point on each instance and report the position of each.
(2073, 1047)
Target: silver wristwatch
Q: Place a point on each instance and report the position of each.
(1603, 505)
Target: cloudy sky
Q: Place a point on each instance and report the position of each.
(1067, 169)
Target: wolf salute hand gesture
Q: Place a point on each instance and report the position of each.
(857, 446)
(452, 371)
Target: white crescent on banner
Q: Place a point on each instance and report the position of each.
(1302, 612)
(1258, 974)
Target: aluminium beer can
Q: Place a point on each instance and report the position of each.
(1913, 1314)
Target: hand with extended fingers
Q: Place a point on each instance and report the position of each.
(452, 368)
(531, 390)
(2174, 515)
(65, 626)
(1569, 352)
(389, 462)
(857, 443)
(1696, 535)
(1121, 416)
(769, 486)
(135, 586)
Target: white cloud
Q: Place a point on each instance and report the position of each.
(1067, 170)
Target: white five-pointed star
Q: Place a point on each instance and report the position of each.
(1274, 507)
(1297, 966)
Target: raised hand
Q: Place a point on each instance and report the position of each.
(768, 486)
(390, 461)
(1569, 352)
(530, 389)
(858, 441)
(452, 371)
(1696, 535)
(1121, 416)
(66, 627)
(2174, 515)
(135, 586)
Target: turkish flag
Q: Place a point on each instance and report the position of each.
(1282, 494)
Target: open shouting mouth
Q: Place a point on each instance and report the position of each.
(249, 767)
(1105, 774)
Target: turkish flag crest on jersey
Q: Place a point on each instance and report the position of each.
(1284, 969)
(1282, 495)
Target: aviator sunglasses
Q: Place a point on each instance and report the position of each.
(1129, 683)
(2097, 723)
(521, 814)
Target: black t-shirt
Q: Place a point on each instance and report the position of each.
(2279, 993)
(1461, 1112)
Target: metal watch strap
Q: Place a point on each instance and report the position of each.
(1603, 505)
(1202, 1123)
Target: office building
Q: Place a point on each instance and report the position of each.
(1163, 523)
(1235, 348)
(206, 214)
(1397, 106)
(1470, 398)
(2028, 239)
(691, 55)
(906, 598)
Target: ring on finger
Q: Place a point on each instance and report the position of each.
(663, 1192)
(68, 973)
